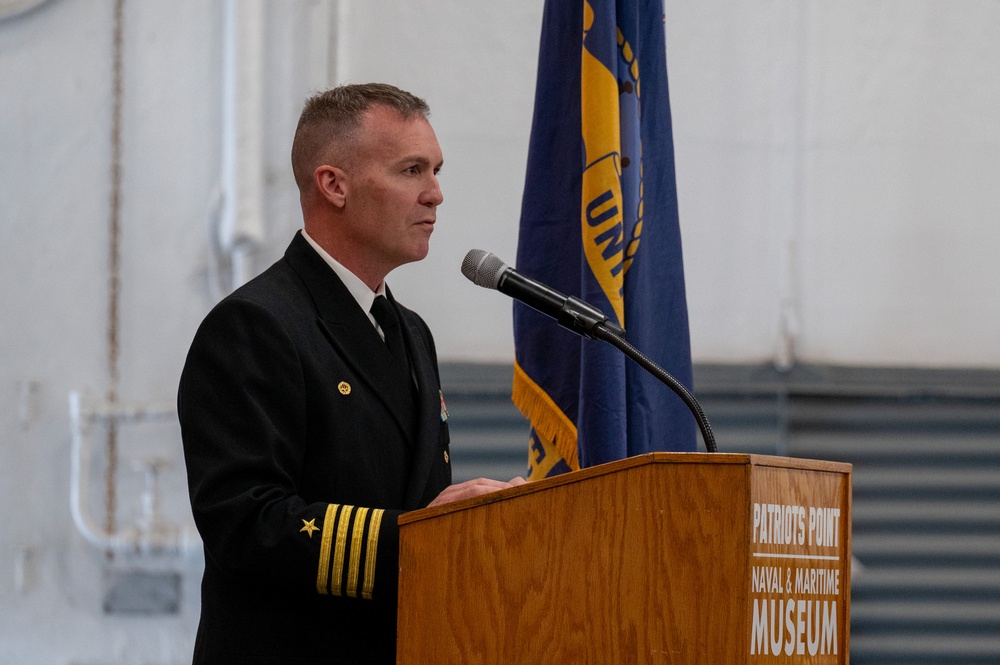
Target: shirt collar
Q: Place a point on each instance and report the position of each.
(358, 289)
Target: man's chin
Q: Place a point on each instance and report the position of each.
(418, 254)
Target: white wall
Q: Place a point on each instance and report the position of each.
(843, 156)
(837, 166)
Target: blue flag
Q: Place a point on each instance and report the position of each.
(599, 221)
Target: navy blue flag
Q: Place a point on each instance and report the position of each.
(599, 221)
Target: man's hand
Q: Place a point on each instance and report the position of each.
(472, 488)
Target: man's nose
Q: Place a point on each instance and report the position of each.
(433, 194)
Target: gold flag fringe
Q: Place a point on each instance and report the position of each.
(545, 416)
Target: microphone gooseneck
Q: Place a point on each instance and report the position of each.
(640, 359)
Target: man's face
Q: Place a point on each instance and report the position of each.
(393, 195)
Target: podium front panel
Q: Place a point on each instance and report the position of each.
(800, 564)
(646, 560)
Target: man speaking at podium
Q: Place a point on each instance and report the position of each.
(310, 403)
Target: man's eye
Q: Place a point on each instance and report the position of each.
(413, 170)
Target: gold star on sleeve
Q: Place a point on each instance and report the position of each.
(309, 527)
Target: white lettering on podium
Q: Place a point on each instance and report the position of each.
(793, 627)
(795, 602)
(766, 579)
(782, 524)
(824, 526)
(779, 524)
(817, 581)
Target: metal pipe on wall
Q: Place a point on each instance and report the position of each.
(241, 231)
(153, 535)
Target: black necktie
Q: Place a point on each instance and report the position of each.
(384, 313)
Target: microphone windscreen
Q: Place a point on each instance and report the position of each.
(483, 268)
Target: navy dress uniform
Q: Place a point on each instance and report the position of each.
(304, 442)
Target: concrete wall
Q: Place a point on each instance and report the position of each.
(837, 166)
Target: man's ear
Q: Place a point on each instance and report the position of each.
(331, 183)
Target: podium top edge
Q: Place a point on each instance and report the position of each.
(744, 459)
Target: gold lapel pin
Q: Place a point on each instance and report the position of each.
(344, 387)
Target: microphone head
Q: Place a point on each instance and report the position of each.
(483, 268)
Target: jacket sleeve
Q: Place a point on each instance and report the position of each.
(241, 405)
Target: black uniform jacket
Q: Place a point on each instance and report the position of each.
(302, 449)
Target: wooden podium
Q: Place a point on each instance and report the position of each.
(663, 558)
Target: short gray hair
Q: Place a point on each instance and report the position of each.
(334, 116)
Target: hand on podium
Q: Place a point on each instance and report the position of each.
(471, 488)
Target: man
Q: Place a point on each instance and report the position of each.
(310, 403)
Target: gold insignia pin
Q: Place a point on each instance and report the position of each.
(309, 527)
(344, 387)
(446, 457)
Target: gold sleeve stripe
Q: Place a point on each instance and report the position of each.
(341, 547)
(372, 552)
(357, 537)
(323, 577)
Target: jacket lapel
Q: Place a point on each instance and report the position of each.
(351, 332)
(428, 429)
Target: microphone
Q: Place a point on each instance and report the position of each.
(486, 270)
